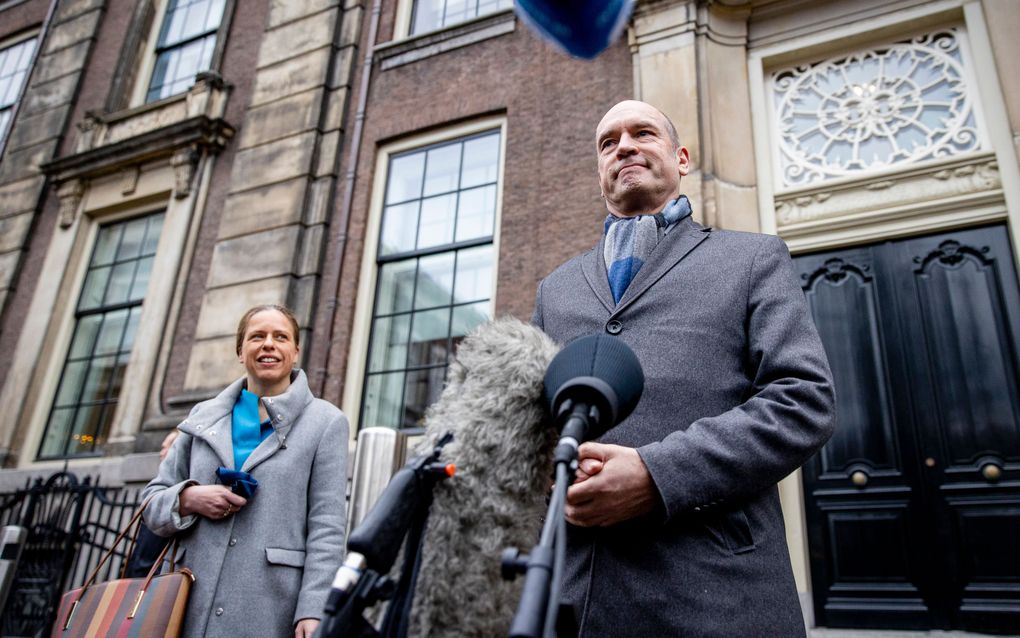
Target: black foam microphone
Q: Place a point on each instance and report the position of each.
(592, 384)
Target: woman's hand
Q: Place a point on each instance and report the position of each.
(306, 627)
(211, 501)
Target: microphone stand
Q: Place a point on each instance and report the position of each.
(539, 613)
(366, 581)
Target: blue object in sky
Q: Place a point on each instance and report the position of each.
(583, 28)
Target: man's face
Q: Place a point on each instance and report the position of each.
(639, 170)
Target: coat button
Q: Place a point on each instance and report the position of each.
(219, 611)
(233, 541)
(614, 327)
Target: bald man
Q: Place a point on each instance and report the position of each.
(675, 527)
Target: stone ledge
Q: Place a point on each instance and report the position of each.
(426, 45)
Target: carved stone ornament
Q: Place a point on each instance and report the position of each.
(70, 194)
(183, 163)
(894, 105)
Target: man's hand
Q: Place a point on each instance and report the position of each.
(613, 485)
(211, 501)
(306, 627)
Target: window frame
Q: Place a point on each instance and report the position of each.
(77, 314)
(406, 10)
(358, 354)
(9, 43)
(149, 52)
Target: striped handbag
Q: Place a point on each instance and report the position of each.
(152, 606)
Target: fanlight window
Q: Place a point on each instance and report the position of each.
(900, 104)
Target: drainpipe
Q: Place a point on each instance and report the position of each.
(334, 268)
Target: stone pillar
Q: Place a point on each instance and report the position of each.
(1003, 21)
(690, 60)
(272, 232)
(39, 127)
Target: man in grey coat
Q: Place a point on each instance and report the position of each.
(676, 527)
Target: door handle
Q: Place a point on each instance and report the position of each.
(991, 471)
(859, 478)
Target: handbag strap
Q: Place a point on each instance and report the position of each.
(120, 537)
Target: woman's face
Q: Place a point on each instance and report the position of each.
(268, 351)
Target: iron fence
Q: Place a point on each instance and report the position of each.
(71, 524)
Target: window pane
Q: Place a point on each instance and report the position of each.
(396, 287)
(477, 213)
(382, 400)
(128, 342)
(389, 343)
(474, 274)
(399, 225)
(131, 242)
(481, 157)
(437, 221)
(442, 170)
(428, 15)
(194, 22)
(120, 283)
(106, 245)
(429, 332)
(117, 380)
(458, 11)
(422, 390)
(152, 234)
(94, 289)
(467, 318)
(159, 75)
(405, 177)
(111, 333)
(141, 282)
(97, 382)
(70, 383)
(57, 431)
(88, 422)
(215, 14)
(85, 336)
(435, 281)
(173, 26)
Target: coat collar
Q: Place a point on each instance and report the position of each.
(672, 248)
(211, 420)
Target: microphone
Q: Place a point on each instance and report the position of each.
(592, 384)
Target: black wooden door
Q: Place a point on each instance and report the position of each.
(913, 507)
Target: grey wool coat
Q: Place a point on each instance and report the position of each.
(737, 395)
(259, 571)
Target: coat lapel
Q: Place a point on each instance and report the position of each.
(593, 265)
(211, 423)
(673, 247)
(283, 411)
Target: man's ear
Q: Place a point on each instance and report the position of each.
(683, 160)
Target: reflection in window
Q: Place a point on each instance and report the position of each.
(893, 105)
(436, 14)
(185, 47)
(14, 62)
(436, 272)
(104, 333)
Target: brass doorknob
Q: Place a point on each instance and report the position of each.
(991, 472)
(859, 478)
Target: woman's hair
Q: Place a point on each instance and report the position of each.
(242, 325)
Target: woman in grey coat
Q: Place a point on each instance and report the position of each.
(262, 564)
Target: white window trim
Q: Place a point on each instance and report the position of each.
(42, 348)
(989, 106)
(361, 331)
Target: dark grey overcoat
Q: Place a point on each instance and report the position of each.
(262, 569)
(737, 395)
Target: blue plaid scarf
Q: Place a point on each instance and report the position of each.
(630, 240)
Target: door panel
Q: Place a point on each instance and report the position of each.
(922, 335)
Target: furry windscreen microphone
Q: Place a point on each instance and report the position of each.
(502, 447)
